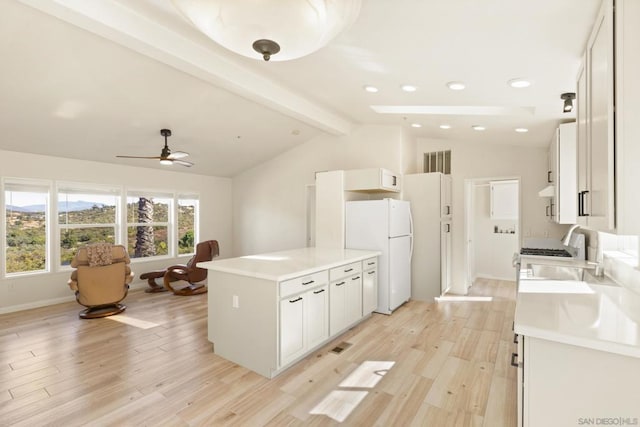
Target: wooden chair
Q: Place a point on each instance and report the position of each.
(205, 251)
(101, 279)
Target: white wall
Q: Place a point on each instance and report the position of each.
(269, 204)
(470, 160)
(41, 289)
(494, 263)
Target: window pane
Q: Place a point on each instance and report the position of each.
(73, 238)
(186, 225)
(147, 209)
(146, 241)
(26, 228)
(74, 208)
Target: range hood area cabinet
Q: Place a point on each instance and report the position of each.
(608, 129)
(563, 206)
(373, 180)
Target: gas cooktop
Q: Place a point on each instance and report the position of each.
(545, 252)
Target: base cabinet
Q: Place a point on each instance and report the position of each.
(303, 323)
(369, 286)
(345, 306)
(565, 385)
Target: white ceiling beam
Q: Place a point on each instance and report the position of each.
(114, 21)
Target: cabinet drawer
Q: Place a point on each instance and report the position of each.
(301, 284)
(345, 270)
(370, 263)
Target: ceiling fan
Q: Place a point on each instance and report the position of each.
(166, 157)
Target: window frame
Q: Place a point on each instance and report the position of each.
(34, 183)
(89, 189)
(171, 224)
(196, 222)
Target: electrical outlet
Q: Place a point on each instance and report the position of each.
(236, 302)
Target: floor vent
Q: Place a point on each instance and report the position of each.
(340, 347)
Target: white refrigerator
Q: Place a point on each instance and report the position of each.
(384, 225)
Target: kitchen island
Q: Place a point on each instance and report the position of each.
(268, 311)
(578, 353)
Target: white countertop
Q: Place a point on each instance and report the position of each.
(597, 316)
(284, 265)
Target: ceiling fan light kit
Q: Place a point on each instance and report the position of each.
(260, 29)
(166, 157)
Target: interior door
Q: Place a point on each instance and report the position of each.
(399, 271)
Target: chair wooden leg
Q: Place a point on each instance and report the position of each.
(154, 287)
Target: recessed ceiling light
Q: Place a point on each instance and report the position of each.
(445, 126)
(456, 85)
(408, 88)
(478, 127)
(522, 130)
(519, 83)
(416, 125)
(371, 89)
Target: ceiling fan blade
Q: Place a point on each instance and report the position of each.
(139, 157)
(178, 155)
(183, 163)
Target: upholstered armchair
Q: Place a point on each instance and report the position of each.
(101, 279)
(205, 251)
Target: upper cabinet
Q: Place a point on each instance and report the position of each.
(562, 206)
(504, 200)
(608, 129)
(372, 180)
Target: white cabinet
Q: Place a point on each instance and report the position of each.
(304, 323)
(445, 258)
(608, 127)
(373, 180)
(504, 199)
(369, 286)
(560, 384)
(562, 207)
(345, 297)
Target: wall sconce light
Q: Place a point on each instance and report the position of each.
(568, 101)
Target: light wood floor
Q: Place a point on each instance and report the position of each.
(450, 368)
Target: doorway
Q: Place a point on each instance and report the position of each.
(492, 227)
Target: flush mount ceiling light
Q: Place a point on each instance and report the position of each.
(260, 29)
(519, 83)
(478, 127)
(408, 88)
(522, 130)
(416, 125)
(456, 85)
(371, 89)
(568, 101)
(445, 126)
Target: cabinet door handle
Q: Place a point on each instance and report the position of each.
(546, 210)
(448, 229)
(371, 272)
(514, 360)
(584, 194)
(371, 263)
(340, 284)
(348, 270)
(308, 283)
(395, 180)
(515, 338)
(355, 278)
(295, 300)
(552, 214)
(448, 210)
(318, 292)
(549, 176)
(580, 207)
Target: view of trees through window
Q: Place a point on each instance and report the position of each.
(87, 217)
(84, 218)
(26, 229)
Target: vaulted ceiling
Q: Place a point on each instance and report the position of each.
(98, 78)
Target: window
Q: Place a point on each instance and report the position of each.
(85, 216)
(187, 210)
(148, 220)
(26, 207)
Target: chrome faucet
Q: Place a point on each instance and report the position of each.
(566, 239)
